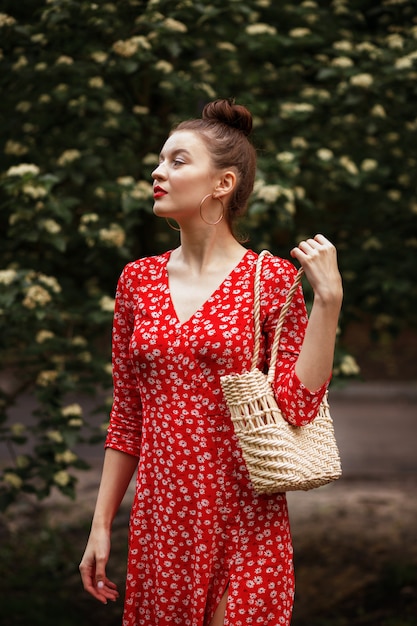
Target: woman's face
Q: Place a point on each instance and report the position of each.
(185, 175)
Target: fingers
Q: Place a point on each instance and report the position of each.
(310, 248)
(318, 258)
(322, 239)
(106, 590)
(95, 581)
(315, 243)
(103, 590)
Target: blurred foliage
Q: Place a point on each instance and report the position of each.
(89, 92)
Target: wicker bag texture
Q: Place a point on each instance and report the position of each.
(279, 457)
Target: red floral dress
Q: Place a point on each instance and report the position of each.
(197, 527)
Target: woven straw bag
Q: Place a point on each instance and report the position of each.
(279, 457)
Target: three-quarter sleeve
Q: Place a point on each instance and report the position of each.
(124, 432)
(298, 404)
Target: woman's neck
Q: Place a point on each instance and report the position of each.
(208, 249)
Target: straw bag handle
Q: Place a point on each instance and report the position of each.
(257, 316)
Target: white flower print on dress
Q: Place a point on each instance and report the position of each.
(197, 528)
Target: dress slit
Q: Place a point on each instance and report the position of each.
(224, 593)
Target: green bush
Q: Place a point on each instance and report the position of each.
(89, 91)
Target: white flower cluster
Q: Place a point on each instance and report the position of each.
(15, 148)
(150, 159)
(13, 479)
(22, 169)
(68, 156)
(62, 478)
(226, 46)
(290, 108)
(20, 63)
(341, 62)
(113, 106)
(140, 110)
(72, 410)
(285, 157)
(112, 236)
(324, 154)
(89, 218)
(125, 181)
(46, 378)
(96, 82)
(164, 66)
(6, 20)
(378, 111)
(142, 190)
(349, 366)
(395, 41)
(299, 143)
(79, 341)
(99, 56)
(372, 243)
(406, 62)
(7, 276)
(36, 295)
(44, 335)
(298, 33)
(344, 45)
(271, 193)
(314, 92)
(50, 281)
(349, 165)
(24, 106)
(55, 436)
(66, 457)
(107, 304)
(369, 165)
(174, 25)
(34, 191)
(260, 29)
(129, 47)
(362, 80)
(51, 226)
(64, 60)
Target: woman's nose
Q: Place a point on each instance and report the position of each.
(158, 173)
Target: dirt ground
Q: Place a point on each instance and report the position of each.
(351, 539)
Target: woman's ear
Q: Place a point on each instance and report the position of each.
(225, 184)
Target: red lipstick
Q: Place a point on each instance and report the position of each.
(158, 192)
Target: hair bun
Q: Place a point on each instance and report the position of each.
(229, 113)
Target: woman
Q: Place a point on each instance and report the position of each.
(204, 549)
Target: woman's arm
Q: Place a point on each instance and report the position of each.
(122, 443)
(117, 472)
(319, 261)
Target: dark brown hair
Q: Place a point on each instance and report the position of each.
(225, 126)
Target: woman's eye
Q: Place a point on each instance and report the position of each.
(178, 162)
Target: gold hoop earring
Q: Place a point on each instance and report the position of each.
(210, 195)
(171, 226)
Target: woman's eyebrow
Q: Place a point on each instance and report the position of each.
(174, 153)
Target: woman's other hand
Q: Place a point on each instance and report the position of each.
(93, 567)
(318, 258)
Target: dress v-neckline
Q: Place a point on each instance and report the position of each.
(209, 299)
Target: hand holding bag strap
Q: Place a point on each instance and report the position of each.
(257, 316)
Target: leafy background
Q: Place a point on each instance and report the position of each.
(89, 92)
